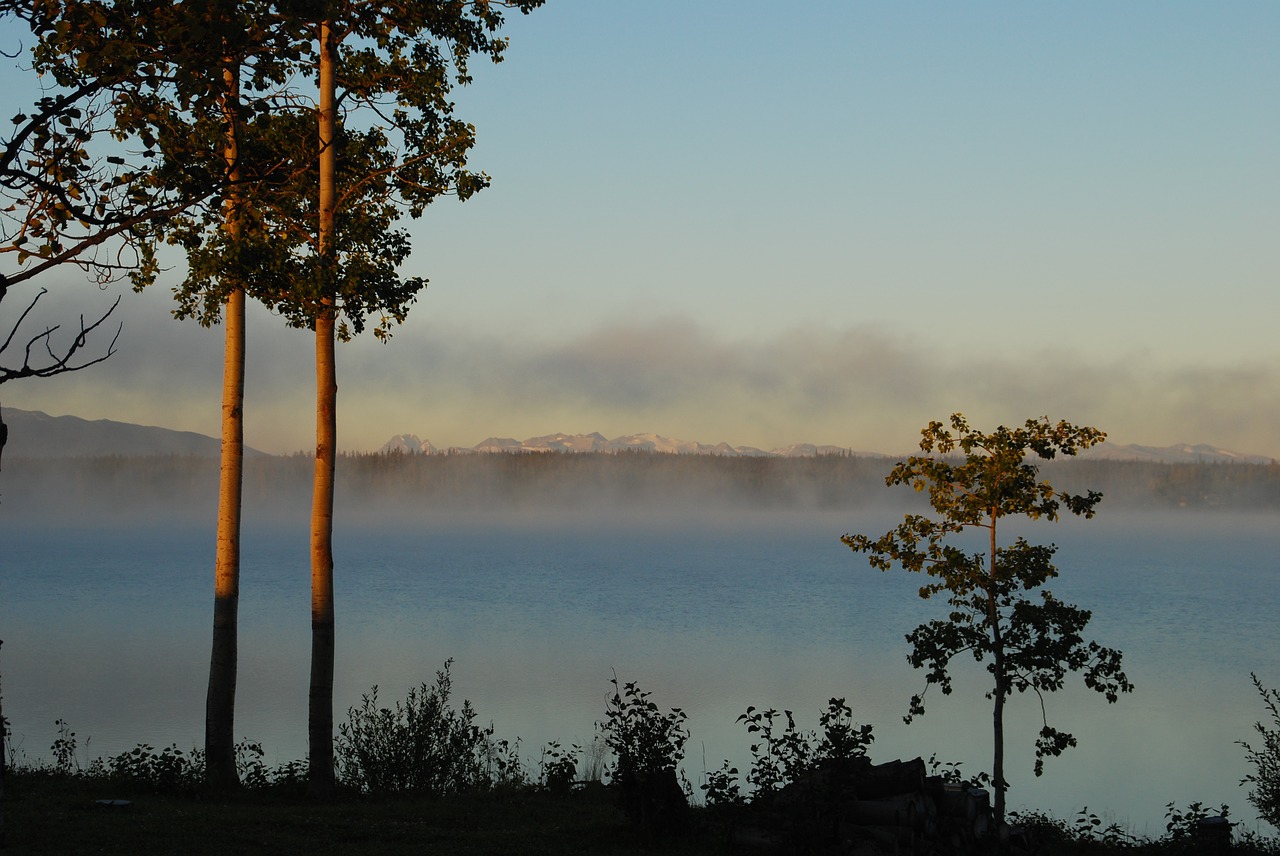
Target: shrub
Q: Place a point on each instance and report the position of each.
(643, 740)
(64, 749)
(647, 747)
(501, 764)
(559, 766)
(1184, 827)
(1265, 777)
(256, 775)
(778, 759)
(422, 745)
(722, 790)
(1090, 827)
(169, 771)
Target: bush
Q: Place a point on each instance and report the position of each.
(64, 750)
(647, 747)
(559, 766)
(256, 775)
(422, 745)
(643, 740)
(1265, 778)
(169, 771)
(781, 758)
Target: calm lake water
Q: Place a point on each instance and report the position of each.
(108, 628)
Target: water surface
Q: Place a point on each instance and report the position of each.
(109, 629)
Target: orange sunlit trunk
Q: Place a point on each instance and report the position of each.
(220, 702)
(320, 703)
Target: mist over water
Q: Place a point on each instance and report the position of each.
(713, 601)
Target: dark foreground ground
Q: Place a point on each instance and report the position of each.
(44, 815)
(60, 815)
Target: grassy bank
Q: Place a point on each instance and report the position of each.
(421, 777)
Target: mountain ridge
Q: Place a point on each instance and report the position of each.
(596, 442)
(36, 434)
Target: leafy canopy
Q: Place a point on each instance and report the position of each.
(399, 146)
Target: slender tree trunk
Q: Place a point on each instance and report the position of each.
(1002, 686)
(220, 703)
(320, 718)
(997, 764)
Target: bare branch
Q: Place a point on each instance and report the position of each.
(60, 359)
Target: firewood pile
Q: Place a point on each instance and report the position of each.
(857, 807)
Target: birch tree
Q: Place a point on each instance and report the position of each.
(182, 86)
(387, 143)
(227, 249)
(1030, 644)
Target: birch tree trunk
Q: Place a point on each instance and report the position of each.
(220, 703)
(320, 713)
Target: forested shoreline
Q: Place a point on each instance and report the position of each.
(381, 481)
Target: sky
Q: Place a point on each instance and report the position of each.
(769, 223)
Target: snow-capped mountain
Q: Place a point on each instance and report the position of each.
(408, 444)
(596, 442)
(34, 434)
(1181, 453)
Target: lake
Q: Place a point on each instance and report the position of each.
(711, 611)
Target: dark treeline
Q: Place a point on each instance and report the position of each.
(377, 482)
(1192, 485)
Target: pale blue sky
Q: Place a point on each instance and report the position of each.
(830, 222)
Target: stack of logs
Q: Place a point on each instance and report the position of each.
(857, 807)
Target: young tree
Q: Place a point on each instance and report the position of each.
(975, 481)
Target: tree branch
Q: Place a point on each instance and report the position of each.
(60, 361)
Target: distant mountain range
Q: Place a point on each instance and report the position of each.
(597, 443)
(594, 442)
(33, 434)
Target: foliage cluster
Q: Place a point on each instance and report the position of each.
(782, 757)
(168, 770)
(645, 742)
(795, 777)
(558, 767)
(422, 745)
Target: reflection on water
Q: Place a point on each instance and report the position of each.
(109, 630)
